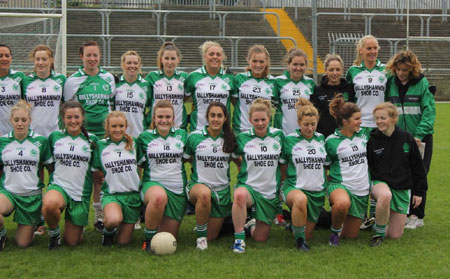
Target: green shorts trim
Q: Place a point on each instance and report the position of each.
(220, 201)
(358, 204)
(129, 202)
(400, 200)
(77, 212)
(265, 209)
(315, 202)
(27, 209)
(176, 203)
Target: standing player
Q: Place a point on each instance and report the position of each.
(23, 153)
(164, 179)
(292, 85)
(132, 95)
(209, 189)
(94, 88)
(258, 153)
(331, 84)
(348, 186)
(408, 91)
(251, 85)
(209, 84)
(117, 158)
(168, 82)
(396, 170)
(10, 88)
(70, 185)
(368, 79)
(304, 187)
(43, 89)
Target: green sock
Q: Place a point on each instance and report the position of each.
(380, 230)
(201, 230)
(149, 234)
(54, 232)
(239, 235)
(372, 207)
(336, 231)
(3, 232)
(299, 232)
(109, 232)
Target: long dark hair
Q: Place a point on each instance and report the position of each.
(229, 139)
(342, 110)
(74, 104)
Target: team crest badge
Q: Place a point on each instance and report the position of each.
(15, 87)
(33, 153)
(276, 146)
(85, 148)
(406, 147)
(56, 88)
(105, 87)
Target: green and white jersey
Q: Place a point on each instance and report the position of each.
(119, 166)
(210, 165)
(164, 158)
(248, 89)
(260, 161)
(205, 89)
(10, 94)
(133, 99)
(172, 89)
(347, 158)
(306, 159)
(289, 92)
(21, 160)
(45, 97)
(95, 94)
(370, 86)
(73, 158)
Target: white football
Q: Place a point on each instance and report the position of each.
(163, 243)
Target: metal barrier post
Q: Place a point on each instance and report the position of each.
(314, 38)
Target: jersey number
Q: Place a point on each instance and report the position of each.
(311, 151)
(44, 89)
(169, 87)
(212, 87)
(214, 149)
(120, 153)
(129, 94)
(21, 153)
(256, 90)
(3, 89)
(166, 147)
(263, 148)
(355, 148)
(72, 148)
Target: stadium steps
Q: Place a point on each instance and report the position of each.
(289, 29)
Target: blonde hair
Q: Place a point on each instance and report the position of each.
(158, 105)
(207, 45)
(260, 104)
(128, 138)
(21, 105)
(42, 48)
(131, 53)
(294, 52)
(167, 46)
(333, 57)
(408, 58)
(259, 49)
(305, 108)
(389, 107)
(359, 45)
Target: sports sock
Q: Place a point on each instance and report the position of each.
(336, 231)
(239, 235)
(372, 207)
(201, 230)
(109, 232)
(299, 232)
(54, 232)
(149, 234)
(380, 230)
(2, 232)
(98, 211)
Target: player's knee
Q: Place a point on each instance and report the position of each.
(159, 201)
(300, 201)
(23, 242)
(49, 208)
(341, 205)
(240, 197)
(204, 198)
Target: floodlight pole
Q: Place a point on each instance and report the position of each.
(314, 37)
(64, 37)
(407, 25)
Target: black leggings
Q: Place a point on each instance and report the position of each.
(420, 210)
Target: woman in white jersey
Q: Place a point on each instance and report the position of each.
(368, 78)
(397, 173)
(168, 83)
(304, 186)
(10, 88)
(70, 184)
(43, 89)
(133, 94)
(348, 185)
(292, 85)
(210, 83)
(23, 153)
(258, 154)
(116, 158)
(255, 83)
(209, 189)
(94, 88)
(164, 179)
